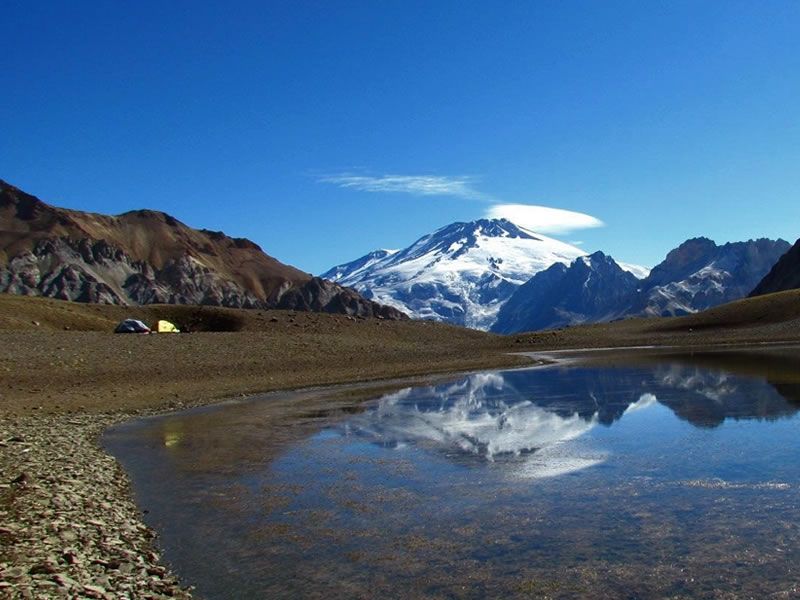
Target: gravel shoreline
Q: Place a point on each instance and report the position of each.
(68, 524)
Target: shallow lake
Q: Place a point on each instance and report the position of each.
(633, 475)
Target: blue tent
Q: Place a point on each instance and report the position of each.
(132, 326)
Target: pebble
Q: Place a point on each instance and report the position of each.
(94, 591)
(68, 525)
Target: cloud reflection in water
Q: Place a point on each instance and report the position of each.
(480, 418)
(534, 423)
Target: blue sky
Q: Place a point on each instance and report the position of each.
(323, 130)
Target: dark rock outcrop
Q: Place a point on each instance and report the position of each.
(784, 275)
(592, 289)
(321, 295)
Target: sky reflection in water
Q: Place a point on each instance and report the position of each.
(675, 477)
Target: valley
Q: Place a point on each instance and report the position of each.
(403, 300)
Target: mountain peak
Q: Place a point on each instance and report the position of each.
(146, 214)
(593, 288)
(596, 258)
(488, 228)
(461, 273)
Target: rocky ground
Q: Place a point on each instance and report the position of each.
(68, 525)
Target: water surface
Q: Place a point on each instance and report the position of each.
(648, 475)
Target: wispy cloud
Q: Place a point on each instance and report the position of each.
(418, 185)
(543, 219)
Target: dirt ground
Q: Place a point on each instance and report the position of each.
(87, 368)
(62, 357)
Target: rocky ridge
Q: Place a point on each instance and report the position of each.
(695, 276)
(593, 289)
(784, 275)
(700, 274)
(149, 257)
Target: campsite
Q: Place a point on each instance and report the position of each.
(137, 326)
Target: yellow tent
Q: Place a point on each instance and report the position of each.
(167, 327)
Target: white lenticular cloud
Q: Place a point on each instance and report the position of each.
(543, 219)
(420, 185)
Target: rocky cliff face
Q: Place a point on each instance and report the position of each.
(592, 289)
(699, 274)
(86, 270)
(784, 275)
(148, 257)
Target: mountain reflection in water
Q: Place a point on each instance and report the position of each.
(480, 417)
(638, 475)
(525, 417)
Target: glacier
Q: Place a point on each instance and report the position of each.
(462, 273)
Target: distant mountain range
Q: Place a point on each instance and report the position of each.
(695, 276)
(493, 274)
(485, 274)
(148, 257)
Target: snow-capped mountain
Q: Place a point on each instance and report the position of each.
(353, 270)
(461, 273)
(593, 289)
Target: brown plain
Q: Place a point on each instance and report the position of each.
(62, 357)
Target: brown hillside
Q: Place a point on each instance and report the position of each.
(147, 257)
(145, 235)
(766, 319)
